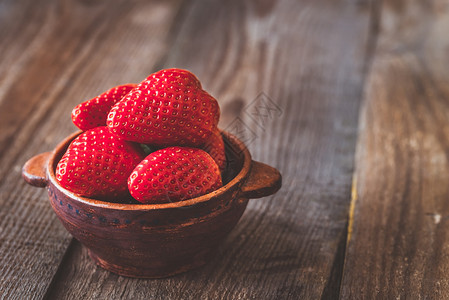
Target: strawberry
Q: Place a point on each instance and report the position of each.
(94, 112)
(178, 76)
(216, 149)
(97, 164)
(174, 174)
(168, 108)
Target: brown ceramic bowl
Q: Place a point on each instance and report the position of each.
(155, 240)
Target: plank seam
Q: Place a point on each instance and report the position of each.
(375, 18)
(354, 197)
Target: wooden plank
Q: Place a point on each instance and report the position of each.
(74, 52)
(398, 245)
(285, 246)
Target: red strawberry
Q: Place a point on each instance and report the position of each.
(166, 109)
(94, 112)
(174, 174)
(97, 164)
(176, 76)
(216, 149)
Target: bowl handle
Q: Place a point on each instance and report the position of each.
(33, 170)
(262, 181)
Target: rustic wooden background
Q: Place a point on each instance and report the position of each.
(360, 133)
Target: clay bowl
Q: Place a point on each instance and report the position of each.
(156, 240)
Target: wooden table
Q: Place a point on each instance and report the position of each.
(348, 99)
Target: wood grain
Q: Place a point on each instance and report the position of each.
(52, 59)
(398, 246)
(288, 246)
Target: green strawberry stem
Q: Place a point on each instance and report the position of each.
(147, 149)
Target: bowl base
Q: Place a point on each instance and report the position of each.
(140, 272)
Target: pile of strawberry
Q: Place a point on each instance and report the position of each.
(157, 141)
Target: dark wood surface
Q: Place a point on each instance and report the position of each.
(357, 124)
(398, 248)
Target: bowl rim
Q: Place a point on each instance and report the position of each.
(242, 174)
